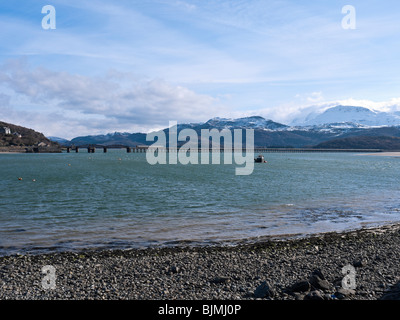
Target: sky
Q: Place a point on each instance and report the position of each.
(133, 66)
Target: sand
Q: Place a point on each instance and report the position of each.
(383, 154)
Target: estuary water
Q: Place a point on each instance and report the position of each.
(74, 201)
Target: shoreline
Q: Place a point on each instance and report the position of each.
(383, 154)
(289, 269)
(11, 152)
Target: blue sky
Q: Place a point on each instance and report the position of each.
(136, 65)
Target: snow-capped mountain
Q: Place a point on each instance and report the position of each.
(254, 122)
(350, 115)
(309, 129)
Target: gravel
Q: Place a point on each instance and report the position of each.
(303, 269)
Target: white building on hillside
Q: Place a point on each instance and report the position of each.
(5, 130)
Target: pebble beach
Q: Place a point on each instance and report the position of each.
(291, 269)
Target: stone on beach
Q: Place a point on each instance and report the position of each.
(301, 286)
(279, 270)
(263, 291)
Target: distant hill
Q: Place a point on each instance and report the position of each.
(310, 129)
(267, 133)
(60, 141)
(362, 142)
(19, 138)
(117, 138)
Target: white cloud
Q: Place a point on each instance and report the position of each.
(116, 101)
(315, 97)
(193, 57)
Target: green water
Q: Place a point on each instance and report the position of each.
(118, 200)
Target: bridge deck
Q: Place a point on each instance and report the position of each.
(138, 149)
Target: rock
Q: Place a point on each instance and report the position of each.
(263, 291)
(173, 269)
(391, 296)
(314, 295)
(220, 280)
(328, 296)
(360, 263)
(301, 286)
(342, 293)
(318, 272)
(393, 293)
(165, 292)
(319, 283)
(299, 295)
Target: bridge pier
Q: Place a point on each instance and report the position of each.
(128, 149)
(76, 149)
(91, 149)
(104, 149)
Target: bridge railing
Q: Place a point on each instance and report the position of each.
(141, 149)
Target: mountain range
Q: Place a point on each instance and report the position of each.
(313, 129)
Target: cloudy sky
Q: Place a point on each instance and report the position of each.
(136, 65)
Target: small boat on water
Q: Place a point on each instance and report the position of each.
(260, 159)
